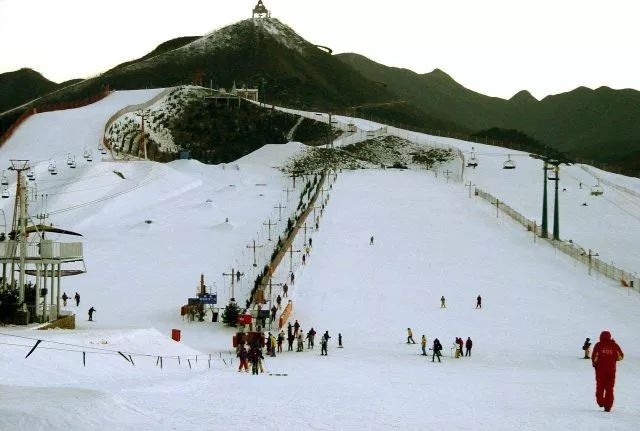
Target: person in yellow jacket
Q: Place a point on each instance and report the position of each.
(423, 344)
(410, 336)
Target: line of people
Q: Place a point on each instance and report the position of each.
(443, 302)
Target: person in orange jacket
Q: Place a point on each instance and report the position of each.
(606, 353)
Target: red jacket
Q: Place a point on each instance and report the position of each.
(605, 355)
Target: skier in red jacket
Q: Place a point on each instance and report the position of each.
(605, 354)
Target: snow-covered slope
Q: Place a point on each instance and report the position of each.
(430, 240)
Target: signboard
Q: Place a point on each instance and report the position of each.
(193, 301)
(209, 299)
(244, 319)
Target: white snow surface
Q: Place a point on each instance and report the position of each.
(430, 240)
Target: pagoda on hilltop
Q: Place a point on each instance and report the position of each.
(261, 11)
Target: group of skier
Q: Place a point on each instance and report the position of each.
(436, 348)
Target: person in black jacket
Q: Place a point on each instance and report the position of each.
(468, 345)
(587, 348)
(437, 348)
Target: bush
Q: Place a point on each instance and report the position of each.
(230, 314)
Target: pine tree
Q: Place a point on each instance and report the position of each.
(230, 314)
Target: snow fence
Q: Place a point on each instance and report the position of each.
(625, 278)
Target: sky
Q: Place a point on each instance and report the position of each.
(495, 47)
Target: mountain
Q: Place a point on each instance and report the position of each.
(22, 86)
(601, 124)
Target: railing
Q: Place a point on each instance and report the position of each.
(626, 278)
(45, 249)
(132, 108)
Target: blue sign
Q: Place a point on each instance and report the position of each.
(209, 299)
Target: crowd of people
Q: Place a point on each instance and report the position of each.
(252, 353)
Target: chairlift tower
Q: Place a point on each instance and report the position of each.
(42, 258)
(20, 209)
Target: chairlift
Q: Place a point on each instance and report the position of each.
(5, 180)
(509, 164)
(89, 157)
(69, 159)
(5, 193)
(52, 168)
(597, 190)
(552, 175)
(31, 176)
(473, 161)
(103, 151)
(72, 165)
(86, 154)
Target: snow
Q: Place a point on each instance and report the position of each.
(430, 240)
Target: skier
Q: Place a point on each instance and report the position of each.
(290, 339)
(300, 343)
(272, 345)
(410, 336)
(280, 341)
(310, 338)
(443, 302)
(437, 347)
(324, 343)
(304, 259)
(479, 302)
(468, 345)
(323, 347)
(64, 299)
(606, 353)
(77, 299)
(459, 349)
(274, 310)
(423, 344)
(255, 357)
(289, 329)
(285, 291)
(587, 348)
(339, 341)
(243, 355)
(310, 242)
(296, 328)
(279, 301)
(371, 240)
(293, 278)
(91, 311)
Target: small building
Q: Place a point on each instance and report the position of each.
(260, 11)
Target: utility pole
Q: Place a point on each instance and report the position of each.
(254, 247)
(330, 133)
(314, 212)
(322, 190)
(305, 232)
(447, 172)
(291, 251)
(288, 190)
(21, 199)
(293, 176)
(233, 281)
(269, 224)
(545, 222)
(469, 185)
(556, 207)
(280, 207)
(143, 116)
(590, 256)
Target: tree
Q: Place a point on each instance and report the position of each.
(230, 314)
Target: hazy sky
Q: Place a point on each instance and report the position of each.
(496, 47)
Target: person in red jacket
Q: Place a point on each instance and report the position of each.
(605, 354)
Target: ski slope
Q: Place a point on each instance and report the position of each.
(609, 224)
(430, 240)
